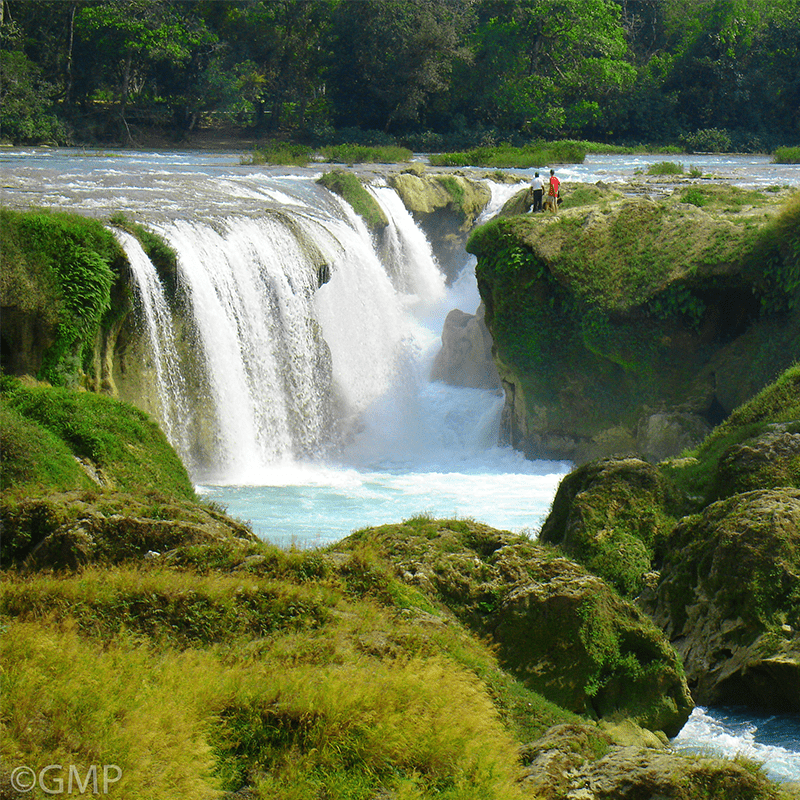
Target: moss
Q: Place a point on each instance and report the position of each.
(119, 441)
(66, 268)
(613, 516)
(350, 188)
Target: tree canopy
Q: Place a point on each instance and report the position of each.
(423, 71)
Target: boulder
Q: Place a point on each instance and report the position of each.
(466, 355)
(611, 514)
(70, 529)
(728, 598)
(769, 459)
(581, 762)
(564, 632)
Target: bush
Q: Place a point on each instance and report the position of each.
(665, 168)
(786, 155)
(708, 140)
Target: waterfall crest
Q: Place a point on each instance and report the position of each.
(293, 327)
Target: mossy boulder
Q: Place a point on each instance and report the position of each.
(579, 761)
(445, 206)
(612, 515)
(562, 631)
(349, 186)
(68, 530)
(729, 599)
(57, 438)
(610, 314)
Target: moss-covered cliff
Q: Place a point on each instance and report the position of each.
(628, 325)
(710, 545)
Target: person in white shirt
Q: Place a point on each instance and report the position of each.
(537, 186)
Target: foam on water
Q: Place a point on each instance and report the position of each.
(770, 739)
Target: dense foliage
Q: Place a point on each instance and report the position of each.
(432, 74)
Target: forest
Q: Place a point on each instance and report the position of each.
(706, 75)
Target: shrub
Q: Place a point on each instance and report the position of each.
(786, 155)
(708, 140)
(665, 168)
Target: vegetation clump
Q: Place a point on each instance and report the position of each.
(787, 155)
(350, 188)
(510, 157)
(665, 168)
(58, 270)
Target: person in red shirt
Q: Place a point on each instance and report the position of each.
(552, 193)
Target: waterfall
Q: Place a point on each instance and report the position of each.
(160, 334)
(289, 366)
(307, 338)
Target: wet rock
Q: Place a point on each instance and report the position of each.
(466, 355)
(729, 599)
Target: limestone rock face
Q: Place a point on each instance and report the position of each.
(729, 599)
(445, 207)
(633, 326)
(466, 355)
(561, 630)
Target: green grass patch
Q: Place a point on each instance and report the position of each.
(359, 154)
(665, 168)
(508, 157)
(280, 154)
(786, 155)
(350, 188)
(123, 442)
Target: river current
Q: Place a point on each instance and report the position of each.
(413, 446)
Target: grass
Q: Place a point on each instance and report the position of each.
(506, 156)
(290, 677)
(349, 186)
(46, 427)
(786, 155)
(665, 168)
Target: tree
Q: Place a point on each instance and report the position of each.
(128, 45)
(388, 58)
(549, 66)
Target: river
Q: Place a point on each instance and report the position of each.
(405, 445)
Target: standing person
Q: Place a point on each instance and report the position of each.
(537, 185)
(552, 193)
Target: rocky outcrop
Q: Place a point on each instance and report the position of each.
(581, 762)
(466, 355)
(633, 326)
(729, 599)
(712, 541)
(71, 529)
(564, 632)
(445, 206)
(611, 515)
